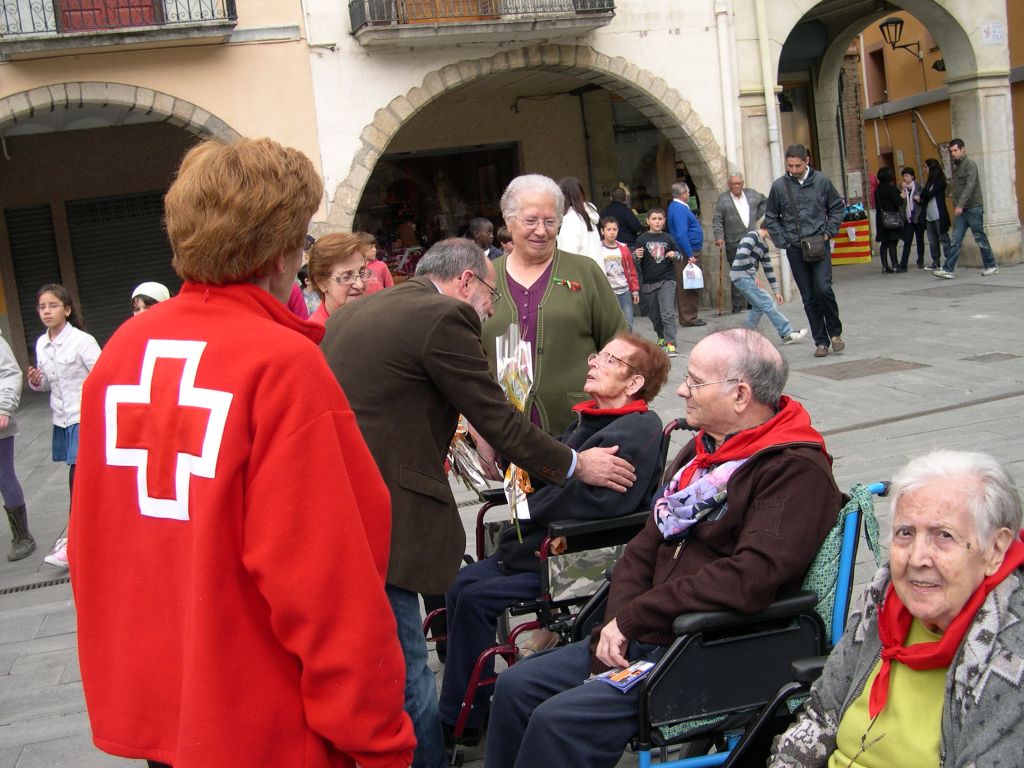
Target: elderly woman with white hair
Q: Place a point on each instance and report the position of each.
(931, 668)
(561, 301)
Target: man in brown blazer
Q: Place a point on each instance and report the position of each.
(410, 361)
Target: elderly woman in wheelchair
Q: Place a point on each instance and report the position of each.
(622, 379)
(930, 670)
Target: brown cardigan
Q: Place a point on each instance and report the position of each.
(781, 504)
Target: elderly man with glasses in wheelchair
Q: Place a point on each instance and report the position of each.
(746, 507)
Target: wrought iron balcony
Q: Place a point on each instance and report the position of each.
(394, 22)
(30, 27)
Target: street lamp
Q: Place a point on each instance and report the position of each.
(892, 31)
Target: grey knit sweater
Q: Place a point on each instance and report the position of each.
(984, 699)
(751, 251)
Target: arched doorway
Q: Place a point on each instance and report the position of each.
(569, 71)
(86, 168)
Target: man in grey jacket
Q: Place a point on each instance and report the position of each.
(801, 203)
(737, 211)
(969, 208)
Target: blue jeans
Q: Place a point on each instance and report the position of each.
(661, 308)
(761, 303)
(626, 302)
(814, 279)
(543, 713)
(475, 600)
(973, 217)
(420, 688)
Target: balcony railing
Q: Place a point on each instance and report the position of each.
(59, 17)
(390, 13)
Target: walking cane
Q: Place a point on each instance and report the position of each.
(721, 280)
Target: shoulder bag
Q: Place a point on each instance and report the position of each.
(892, 220)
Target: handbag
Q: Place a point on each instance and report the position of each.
(692, 277)
(812, 247)
(892, 220)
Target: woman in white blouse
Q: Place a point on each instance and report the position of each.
(579, 232)
(64, 356)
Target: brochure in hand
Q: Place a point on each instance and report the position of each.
(625, 678)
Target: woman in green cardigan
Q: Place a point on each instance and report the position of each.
(561, 301)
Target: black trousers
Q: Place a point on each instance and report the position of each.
(910, 231)
(814, 279)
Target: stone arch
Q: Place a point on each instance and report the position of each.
(176, 111)
(664, 107)
(978, 87)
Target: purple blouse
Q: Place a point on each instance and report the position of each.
(527, 304)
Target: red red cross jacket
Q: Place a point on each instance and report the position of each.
(228, 546)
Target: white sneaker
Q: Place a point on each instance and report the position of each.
(943, 274)
(989, 271)
(795, 337)
(59, 556)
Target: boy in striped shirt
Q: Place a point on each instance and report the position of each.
(752, 251)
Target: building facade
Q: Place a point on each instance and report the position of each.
(98, 103)
(421, 110)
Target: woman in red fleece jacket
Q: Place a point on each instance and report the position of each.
(227, 614)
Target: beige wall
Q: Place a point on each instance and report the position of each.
(257, 89)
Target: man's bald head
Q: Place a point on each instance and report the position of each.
(747, 355)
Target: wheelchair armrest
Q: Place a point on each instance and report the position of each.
(702, 621)
(492, 495)
(578, 527)
(806, 671)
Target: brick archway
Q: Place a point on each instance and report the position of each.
(664, 107)
(175, 111)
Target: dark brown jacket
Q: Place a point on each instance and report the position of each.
(410, 361)
(781, 504)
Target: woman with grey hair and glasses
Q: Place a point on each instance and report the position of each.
(930, 670)
(560, 301)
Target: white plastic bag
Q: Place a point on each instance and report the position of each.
(692, 277)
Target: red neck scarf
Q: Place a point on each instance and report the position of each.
(790, 425)
(591, 408)
(894, 622)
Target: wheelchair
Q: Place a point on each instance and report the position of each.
(730, 682)
(571, 573)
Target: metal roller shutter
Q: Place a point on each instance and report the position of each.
(34, 253)
(118, 242)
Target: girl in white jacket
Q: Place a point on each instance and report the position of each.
(64, 356)
(579, 232)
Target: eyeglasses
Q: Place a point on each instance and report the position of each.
(605, 359)
(690, 386)
(495, 294)
(531, 223)
(347, 278)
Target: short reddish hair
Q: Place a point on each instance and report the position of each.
(233, 208)
(650, 361)
(331, 250)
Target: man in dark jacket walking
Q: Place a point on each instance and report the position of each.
(969, 207)
(804, 203)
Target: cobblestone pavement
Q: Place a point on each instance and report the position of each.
(929, 363)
